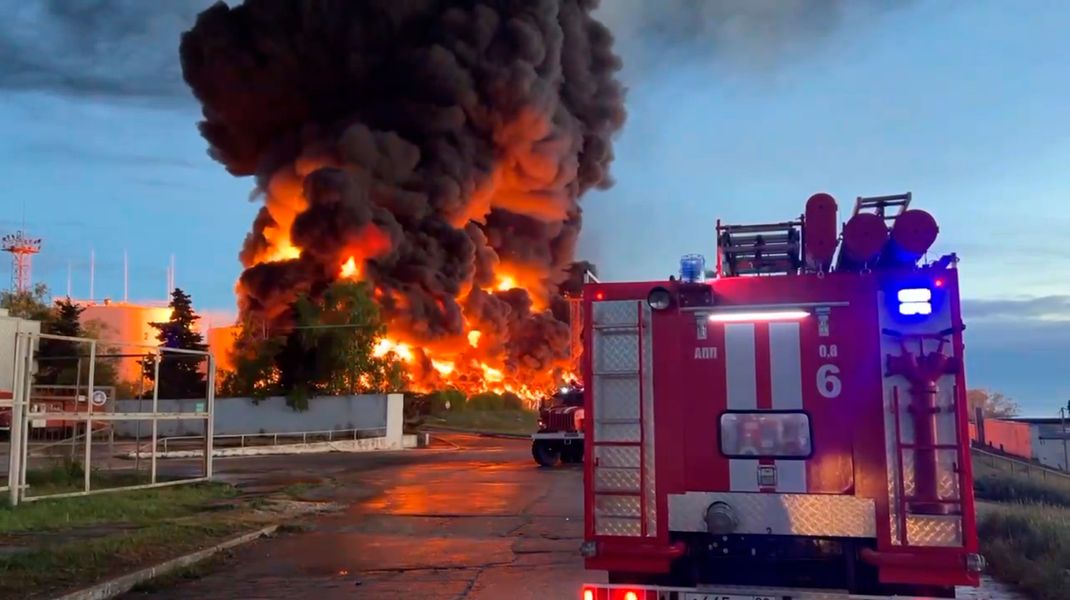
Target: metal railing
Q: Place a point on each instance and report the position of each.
(303, 436)
(23, 404)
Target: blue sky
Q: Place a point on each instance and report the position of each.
(962, 103)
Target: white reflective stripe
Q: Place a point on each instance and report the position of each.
(785, 367)
(741, 389)
(740, 378)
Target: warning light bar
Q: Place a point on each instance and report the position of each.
(759, 315)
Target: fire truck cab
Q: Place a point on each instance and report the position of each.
(791, 424)
(560, 434)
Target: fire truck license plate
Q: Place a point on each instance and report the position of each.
(731, 597)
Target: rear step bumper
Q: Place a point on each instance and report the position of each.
(602, 591)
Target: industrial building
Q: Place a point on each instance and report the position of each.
(1045, 440)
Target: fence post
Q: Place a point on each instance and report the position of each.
(155, 409)
(395, 420)
(14, 473)
(209, 424)
(89, 415)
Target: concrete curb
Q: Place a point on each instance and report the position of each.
(490, 434)
(125, 583)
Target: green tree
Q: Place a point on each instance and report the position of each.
(993, 404)
(32, 304)
(63, 362)
(180, 374)
(328, 350)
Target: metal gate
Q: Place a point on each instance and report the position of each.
(623, 402)
(91, 410)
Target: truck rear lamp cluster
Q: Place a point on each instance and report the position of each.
(618, 593)
(760, 315)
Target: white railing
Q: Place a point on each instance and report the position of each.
(331, 434)
(22, 412)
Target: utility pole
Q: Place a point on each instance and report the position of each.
(1062, 420)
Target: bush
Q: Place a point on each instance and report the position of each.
(511, 401)
(436, 401)
(1029, 545)
(486, 401)
(1011, 488)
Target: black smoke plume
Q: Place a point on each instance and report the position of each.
(441, 142)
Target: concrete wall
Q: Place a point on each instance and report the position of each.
(1009, 436)
(9, 326)
(271, 415)
(1051, 452)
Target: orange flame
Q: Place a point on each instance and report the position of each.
(350, 269)
(474, 361)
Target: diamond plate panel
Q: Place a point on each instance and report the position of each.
(617, 506)
(779, 514)
(616, 432)
(649, 476)
(617, 456)
(616, 352)
(934, 530)
(618, 526)
(892, 464)
(617, 397)
(615, 312)
(947, 486)
(616, 480)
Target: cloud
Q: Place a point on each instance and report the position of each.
(107, 48)
(56, 150)
(741, 33)
(1042, 308)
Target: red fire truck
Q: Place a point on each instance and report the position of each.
(791, 424)
(560, 435)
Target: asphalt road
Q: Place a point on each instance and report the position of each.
(475, 519)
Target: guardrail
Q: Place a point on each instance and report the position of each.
(1000, 462)
(330, 434)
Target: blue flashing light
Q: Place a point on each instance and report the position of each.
(915, 301)
(692, 267)
(915, 308)
(915, 295)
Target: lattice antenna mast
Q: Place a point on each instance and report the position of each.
(22, 249)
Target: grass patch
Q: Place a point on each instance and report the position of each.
(134, 507)
(1003, 487)
(41, 573)
(1028, 545)
(490, 421)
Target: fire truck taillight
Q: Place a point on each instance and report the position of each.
(588, 594)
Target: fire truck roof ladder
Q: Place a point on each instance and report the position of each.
(879, 205)
(760, 249)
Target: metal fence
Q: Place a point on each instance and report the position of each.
(273, 439)
(85, 415)
(986, 462)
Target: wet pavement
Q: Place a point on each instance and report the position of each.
(474, 520)
(470, 519)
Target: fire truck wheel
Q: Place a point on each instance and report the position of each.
(545, 453)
